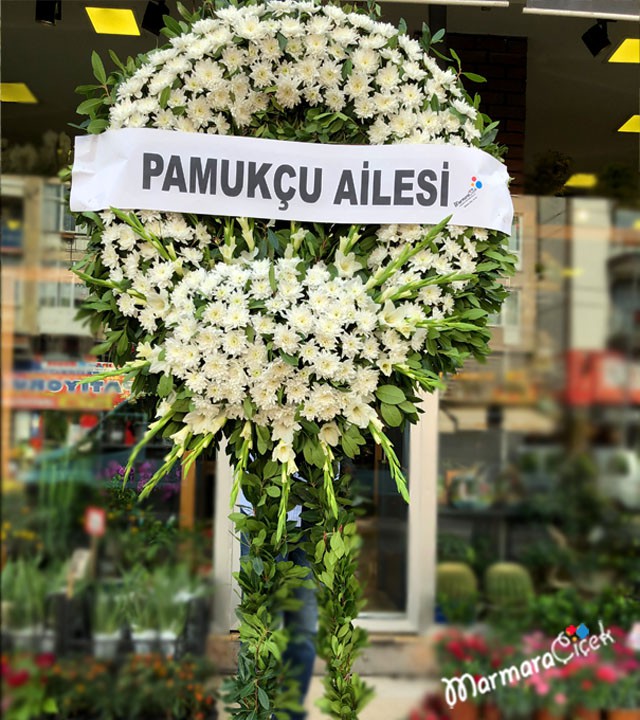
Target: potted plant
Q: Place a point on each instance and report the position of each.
(623, 700)
(458, 654)
(108, 618)
(24, 589)
(587, 686)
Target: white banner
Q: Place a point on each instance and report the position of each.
(165, 170)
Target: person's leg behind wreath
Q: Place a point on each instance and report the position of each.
(302, 625)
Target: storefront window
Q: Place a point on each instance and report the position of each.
(383, 527)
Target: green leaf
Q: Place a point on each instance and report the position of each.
(438, 36)
(349, 446)
(97, 125)
(390, 394)
(116, 60)
(402, 27)
(258, 565)
(50, 706)
(486, 266)
(408, 407)
(263, 698)
(106, 345)
(474, 314)
(98, 68)
(248, 408)
(391, 415)
(165, 386)
(337, 545)
(123, 344)
(87, 106)
(164, 96)
(282, 41)
(474, 77)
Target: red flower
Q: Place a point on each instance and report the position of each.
(606, 673)
(45, 660)
(17, 679)
(456, 648)
(587, 685)
(478, 644)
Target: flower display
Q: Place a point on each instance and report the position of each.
(294, 341)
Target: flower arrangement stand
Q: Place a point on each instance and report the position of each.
(236, 327)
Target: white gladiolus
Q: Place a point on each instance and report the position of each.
(329, 434)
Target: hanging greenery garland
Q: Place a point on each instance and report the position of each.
(297, 342)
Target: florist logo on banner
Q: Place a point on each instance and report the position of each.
(572, 642)
(472, 194)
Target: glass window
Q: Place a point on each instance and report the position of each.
(11, 235)
(51, 209)
(515, 239)
(509, 316)
(66, 291)
(80, 293)
(48, 292)
(382, 526)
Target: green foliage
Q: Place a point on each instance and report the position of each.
(334, 545)
(25, 587)
(263, 685)
(452, 548)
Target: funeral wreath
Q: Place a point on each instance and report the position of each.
(295, 342)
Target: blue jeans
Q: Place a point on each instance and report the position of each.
(302, 626)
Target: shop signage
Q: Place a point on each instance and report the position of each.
(601, 378)
(95, 521)
(62, 390)
(148, 169)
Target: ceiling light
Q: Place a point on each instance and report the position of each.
(16, 92)
(48, 11)
(113, 21)
(632, 125)
(153, 14)
(582, 180)
(596, 38)
(599, 9)
(627, 52)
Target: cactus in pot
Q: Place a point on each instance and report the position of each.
(508, 587)
(456, 591)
